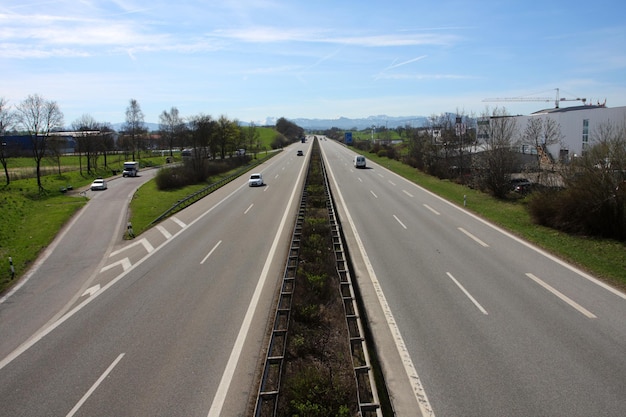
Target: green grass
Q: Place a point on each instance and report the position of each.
(30, 221)
(149, 203)
(605, 259)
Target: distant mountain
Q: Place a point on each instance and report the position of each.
(343, 123)
(346, 123)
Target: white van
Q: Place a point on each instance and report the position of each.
(359, 161)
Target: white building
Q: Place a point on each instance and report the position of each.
(578, 125)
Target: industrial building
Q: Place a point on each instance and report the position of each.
(578, 127)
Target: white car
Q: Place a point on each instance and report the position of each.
(255, 180)
(98, 184)
(359, 161)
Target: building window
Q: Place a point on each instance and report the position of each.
(585, 134)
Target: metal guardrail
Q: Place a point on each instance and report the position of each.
(269, 390)
(192, 198)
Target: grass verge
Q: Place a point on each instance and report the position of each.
(605, 259)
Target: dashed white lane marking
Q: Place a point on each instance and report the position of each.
(398, 220)
(432, 209)
(562, 296)
(467, 294)
(474, 238)
(95, 386)
(414, 380)
(210, 252)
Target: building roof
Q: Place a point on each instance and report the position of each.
(569, 109)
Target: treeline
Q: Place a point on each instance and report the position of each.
(42, 121)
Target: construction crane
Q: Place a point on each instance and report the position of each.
(556, 101)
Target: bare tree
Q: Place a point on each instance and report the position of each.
(39, 117)
(496, 163)
(134, 127)
(7, 120)
(593, 201)
(172, 128)
(202, 135)
(539, 134)
(89, 141)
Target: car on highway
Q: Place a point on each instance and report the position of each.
(98, 184)
(359, 161)
(300, 153)
(255, 180)
(521, 185)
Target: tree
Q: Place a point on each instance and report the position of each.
(7, 120)
(90, 141)
(226, 135)
(39, 117)
(288, 129)
(172, 128)
(541, 133)
(497, 161)
(593, 201)
(202, 134)
(251, 137)
(134, 127)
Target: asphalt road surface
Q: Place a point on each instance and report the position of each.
(171, 323)
(474, 321)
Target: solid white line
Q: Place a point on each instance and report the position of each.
(477, 240)
(94, 386)
(432, 209)
(164, 231)
(562, 296)
(248, 209)
(407, 193)
(227, 377)
(476, 303)
(373, 194)
(210, 252)
(414, 380)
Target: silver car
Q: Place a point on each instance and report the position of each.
(98, 184)
(255, 180)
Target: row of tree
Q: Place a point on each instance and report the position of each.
(40, 119)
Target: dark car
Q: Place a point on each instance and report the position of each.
(300, 153)
(521, 185)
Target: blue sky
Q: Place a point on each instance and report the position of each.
(253, 59)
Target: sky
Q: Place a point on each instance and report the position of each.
(251, 60)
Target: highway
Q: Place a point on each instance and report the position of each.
(470, 320)
(171, 323)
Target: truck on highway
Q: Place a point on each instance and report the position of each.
(131, 169)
